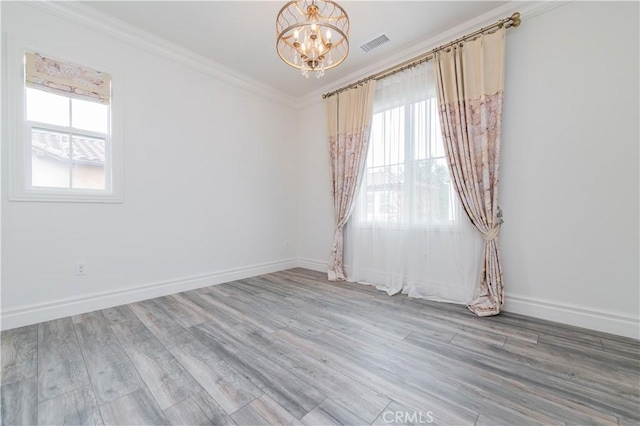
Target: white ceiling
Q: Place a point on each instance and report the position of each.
(241, 34)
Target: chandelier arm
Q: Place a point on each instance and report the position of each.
(301, 41)
(282, 33)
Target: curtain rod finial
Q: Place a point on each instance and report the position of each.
(515, 19)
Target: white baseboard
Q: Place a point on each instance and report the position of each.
(608, 322)
(314, 265)
(32, 314)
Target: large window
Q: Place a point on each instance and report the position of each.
(407, 180)
(408, 232)
(62, 144)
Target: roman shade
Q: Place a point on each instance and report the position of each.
(66, 79)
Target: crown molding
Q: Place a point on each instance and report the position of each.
(129, 34)
(527, 9)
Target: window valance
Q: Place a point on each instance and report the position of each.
(66, 79)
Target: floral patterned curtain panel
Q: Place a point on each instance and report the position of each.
(349, 124)
(470, 90)
(66, 79)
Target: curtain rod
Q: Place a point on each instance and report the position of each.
(511, 21)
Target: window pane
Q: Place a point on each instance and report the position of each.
(49, 159)
(433, 195)
(384, 186)
(415, 189)
(387, 138)
(89, 115)
(420, 130)
(47, 108)
(437, 144)
(88, 163)
(426, 130)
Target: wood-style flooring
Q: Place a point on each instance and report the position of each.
(292, 348)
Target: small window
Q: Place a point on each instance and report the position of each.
(64, 150)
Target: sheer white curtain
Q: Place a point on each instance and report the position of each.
(408, 232)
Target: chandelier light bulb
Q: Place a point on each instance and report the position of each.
(312, 35)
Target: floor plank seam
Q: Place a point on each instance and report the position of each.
(37, 377)
(85, 366)
(135, 368)
(384, 409)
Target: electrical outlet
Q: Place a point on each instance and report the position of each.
(80, 269)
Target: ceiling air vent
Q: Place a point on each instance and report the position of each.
(375, 43)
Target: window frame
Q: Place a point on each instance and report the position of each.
(409, 163)
(19, 135)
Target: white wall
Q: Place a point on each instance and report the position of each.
(570, 163)
(315, 211)
(569, 177)
(208, 185)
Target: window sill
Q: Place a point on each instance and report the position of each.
(65, 197)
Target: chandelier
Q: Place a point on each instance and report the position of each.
(312, 35)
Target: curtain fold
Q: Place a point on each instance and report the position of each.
(349, 125)
(470, 82)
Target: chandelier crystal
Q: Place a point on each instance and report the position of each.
(312, 35)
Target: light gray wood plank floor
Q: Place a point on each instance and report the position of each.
(291, 348)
